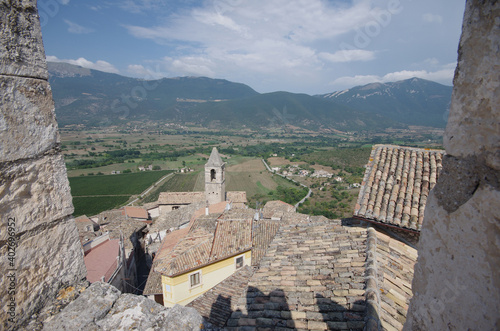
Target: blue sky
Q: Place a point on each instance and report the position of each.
(302, 46)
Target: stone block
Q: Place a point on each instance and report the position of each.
(43, 261)
(92, 305)
(21, 46)
(35, 193)
(131, 312)
(315, 325)
(473, 120)
(458, 270)
(28, 125)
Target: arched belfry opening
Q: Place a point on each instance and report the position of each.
(215, 181)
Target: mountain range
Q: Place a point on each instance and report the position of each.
(95, 98)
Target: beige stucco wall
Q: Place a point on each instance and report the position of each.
(211, 275)
(457, 276)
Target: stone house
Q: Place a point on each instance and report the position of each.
(193, 260)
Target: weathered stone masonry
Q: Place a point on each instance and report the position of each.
(34, 190)
(457, 276)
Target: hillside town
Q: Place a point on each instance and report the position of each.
(418, 251)
(210, 251)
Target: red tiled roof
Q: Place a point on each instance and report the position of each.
(198, 245)
(236, 196)
(135, 212)
(101, 260)
(396, 184)
(231, 237)
(190, 252)
(276, 208)
(263, 233)
(217, 208)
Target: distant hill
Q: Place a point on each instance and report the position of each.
(95, 98)
(413, 101)
(91, 97)
(279, 109)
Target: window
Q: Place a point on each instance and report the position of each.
(195, 279)
(212, 175)
(239, 262)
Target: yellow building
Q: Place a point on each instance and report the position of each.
(193, 260)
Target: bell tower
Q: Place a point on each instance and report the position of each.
(215, 178)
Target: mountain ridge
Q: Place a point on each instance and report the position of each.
(94, 98)
(413, 101)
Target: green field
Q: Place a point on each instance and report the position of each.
(176, 183)
(94, 205)
(94, 194)
(123, 184)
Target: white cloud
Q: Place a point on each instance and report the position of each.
(432, 18)
(259, 36)
(82, 62)
(63, 2)
(444, 75)
(348, 55)
(76, 28)
(139, 6)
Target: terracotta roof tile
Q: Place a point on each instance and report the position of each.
(231, 237)
(190, 252)
(263, 233)
(389, 279)
(237, 196)
(396, 184)
(136, 212)
(276, 209)
(206, 240)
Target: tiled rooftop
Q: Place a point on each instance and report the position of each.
(206, 240)
(238, 214)
(395, 262)
(276, 209)
(263, 234)
(231, 237)
(389, 274)
(236, 196)
(135, 212)
(312, 277)
(117, 224)
(173, 198)
(176, 218)
(217, 303)
(396, 184)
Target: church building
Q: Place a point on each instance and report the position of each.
(215, 189)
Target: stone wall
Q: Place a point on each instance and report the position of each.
(39, 246)
(457, 277)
